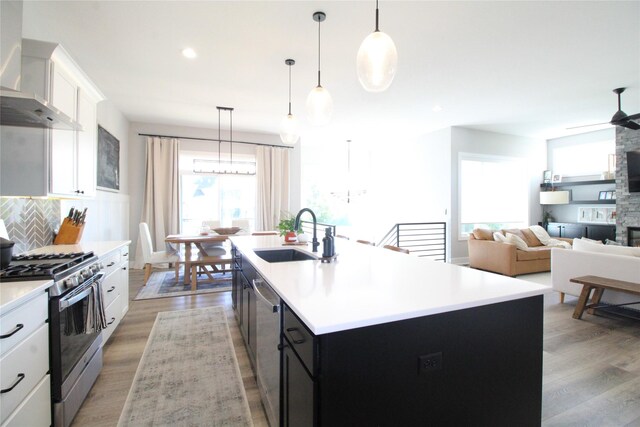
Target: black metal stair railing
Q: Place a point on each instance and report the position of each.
(424, 239)
(307, 228)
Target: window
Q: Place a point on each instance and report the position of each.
(210, 196)
(493, 193)
(582, 159)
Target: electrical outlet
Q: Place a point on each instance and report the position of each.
(429, 363)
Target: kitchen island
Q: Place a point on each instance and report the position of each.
(383, 338)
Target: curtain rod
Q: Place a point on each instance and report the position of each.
(216, 140)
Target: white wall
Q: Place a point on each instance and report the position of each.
(410, 182)
(137, 160)
(569, 213)
(464, 140)
(108, 212)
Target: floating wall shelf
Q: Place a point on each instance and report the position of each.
(572, 184)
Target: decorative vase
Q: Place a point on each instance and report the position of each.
(290, 237)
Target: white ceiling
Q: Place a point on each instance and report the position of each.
(524, 68)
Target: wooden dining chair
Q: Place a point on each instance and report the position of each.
(366, 242)
(397, 249)
(264, 233)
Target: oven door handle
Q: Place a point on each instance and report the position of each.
(67, 302)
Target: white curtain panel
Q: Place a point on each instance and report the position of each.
(161, 198)
(272, 171)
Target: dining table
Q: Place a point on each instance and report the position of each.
(189, 240)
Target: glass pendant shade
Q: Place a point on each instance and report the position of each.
(377, 61)
(289, 130)
(319, 106)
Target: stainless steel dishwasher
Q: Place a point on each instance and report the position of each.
(267, 352)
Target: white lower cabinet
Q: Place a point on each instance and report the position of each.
(35, 410)
(24, 365)
(115, 288)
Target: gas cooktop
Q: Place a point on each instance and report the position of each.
(45, 266)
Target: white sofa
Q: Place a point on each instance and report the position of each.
(569, 264)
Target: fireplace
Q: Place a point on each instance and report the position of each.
(633, 236)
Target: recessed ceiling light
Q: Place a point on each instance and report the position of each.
(189, 53)
(437, 108)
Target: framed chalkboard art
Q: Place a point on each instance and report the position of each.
(108, 161)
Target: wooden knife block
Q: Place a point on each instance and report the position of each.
(69, 233)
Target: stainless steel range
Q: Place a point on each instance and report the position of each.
(75, 341)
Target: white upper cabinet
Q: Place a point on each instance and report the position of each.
(66, 157)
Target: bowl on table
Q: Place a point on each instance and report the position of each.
(225, 231)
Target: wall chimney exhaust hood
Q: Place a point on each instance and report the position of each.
(29, 110)
(20, 108)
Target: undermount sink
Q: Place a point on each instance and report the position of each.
(283, 255)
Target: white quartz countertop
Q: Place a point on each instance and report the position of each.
(98, 248)
(13, 294)
(368, 285)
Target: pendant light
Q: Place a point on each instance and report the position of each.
(289, 126)
(220, 171)
(319, 102)
(377, 60)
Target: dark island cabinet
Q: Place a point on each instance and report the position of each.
(243, 298)
(578, 230)
(479, 366)
(298, 392)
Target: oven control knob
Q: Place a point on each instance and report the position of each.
(71, 282)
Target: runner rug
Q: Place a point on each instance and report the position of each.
(188, 374)
(163, 284)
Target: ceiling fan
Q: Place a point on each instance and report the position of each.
(620, 118)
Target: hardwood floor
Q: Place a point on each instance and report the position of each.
(591, 366)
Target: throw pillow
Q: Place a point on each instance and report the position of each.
(515, 231)
(530, 238)
(516, 240)
(598, 242)
(483, 234)
(499, 237)
(540, 233)
(612, 242)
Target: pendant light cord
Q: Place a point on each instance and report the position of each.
(289, 89)
(231, 135)
(377, 14)
(319, 54)
(230, 110)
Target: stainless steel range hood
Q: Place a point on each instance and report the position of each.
(29, 110)
(20, 108)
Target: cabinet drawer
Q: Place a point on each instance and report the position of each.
(23, 368)
(35, 411)
(110, 289)
(19, 323)
(302, 341)
(124, 254)
(111, 262)
(113, 313)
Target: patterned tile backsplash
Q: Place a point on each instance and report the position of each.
(30, 222)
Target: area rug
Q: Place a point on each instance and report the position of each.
(188, 374)
(162, 284)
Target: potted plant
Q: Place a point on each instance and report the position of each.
(286, 226)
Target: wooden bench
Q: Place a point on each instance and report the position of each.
(199, 264)
(599, 284)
